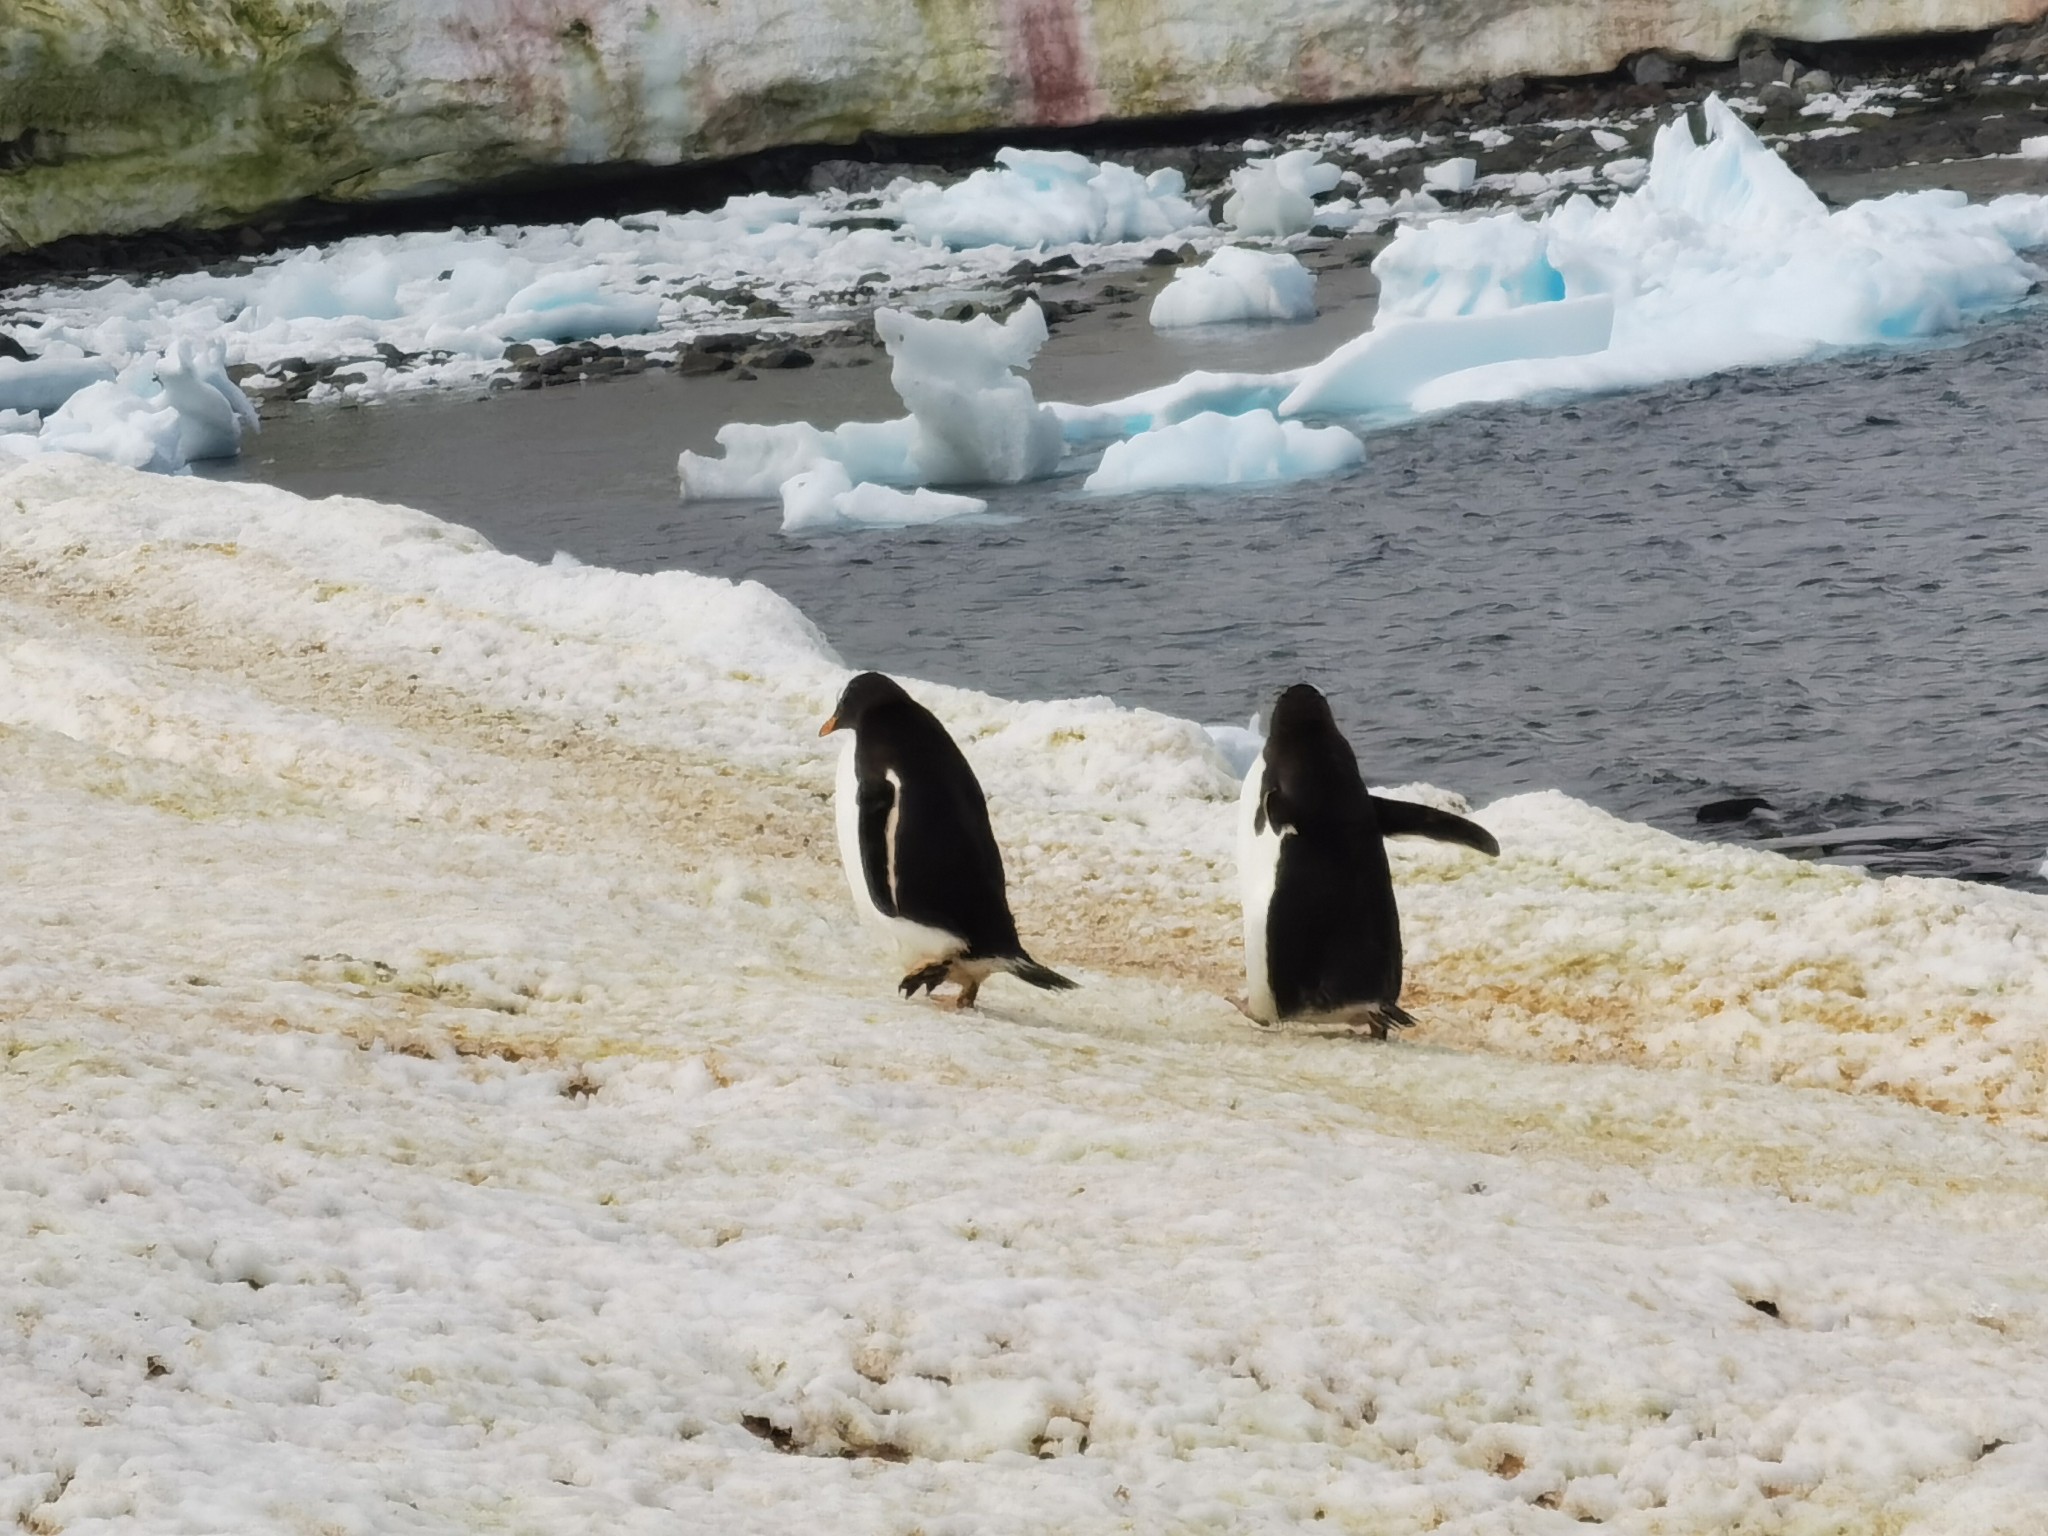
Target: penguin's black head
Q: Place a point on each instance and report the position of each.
(857, 698)
(1300, 708)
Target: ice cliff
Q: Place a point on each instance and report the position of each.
(120, 115)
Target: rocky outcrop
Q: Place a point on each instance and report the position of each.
(122, 115)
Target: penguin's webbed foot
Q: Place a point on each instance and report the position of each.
(928, 978)
(965, 1000)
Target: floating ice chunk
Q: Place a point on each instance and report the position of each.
(1466, 267)
(45, 383)
(20, 421)
(977, 422)
(212, 411)
(2035, 148)
(972, 421)
(1277, 196)
(759, 459)
(110, 421)
(1454, 175)
(826, 497)
(1230, 394)
(1214, 450)
(1237, 284)
(1041, 197)
(573, 306)
(1382, 370)
(1722, 259)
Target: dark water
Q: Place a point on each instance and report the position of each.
(1826, 585)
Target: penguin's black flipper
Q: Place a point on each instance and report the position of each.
(876, 798)
(1026, 969)
(1405, 818)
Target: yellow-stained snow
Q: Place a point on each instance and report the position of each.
(446, 1089)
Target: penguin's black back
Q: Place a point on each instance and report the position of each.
(949, 872)
(1333, 933)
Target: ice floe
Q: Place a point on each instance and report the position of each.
(424, 967)
(826, 497)
(1276, 195)
(972, 420)
(1209, 449)
(1237, 284)
(161, 414)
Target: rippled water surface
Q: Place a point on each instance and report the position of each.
(1826, 585)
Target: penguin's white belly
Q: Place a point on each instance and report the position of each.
(916, 944)
(1258, 874)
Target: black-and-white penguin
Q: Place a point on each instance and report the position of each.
(920, 857)
(1322, 936)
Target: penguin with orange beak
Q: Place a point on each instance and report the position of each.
(921, 859)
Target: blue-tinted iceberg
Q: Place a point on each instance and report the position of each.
(1215, 450)
(972, 420)
(1276, 196)
(1237, 284)
(826, 497)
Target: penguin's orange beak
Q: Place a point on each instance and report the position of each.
(831, 724)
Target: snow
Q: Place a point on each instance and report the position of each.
(1237, 284)
(826, 497)
(1047, 197)
(1454, 175)
(448, 1089)
(1212, 449)
(2035, 148)
(1276, 195)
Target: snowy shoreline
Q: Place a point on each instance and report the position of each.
(446, 1089)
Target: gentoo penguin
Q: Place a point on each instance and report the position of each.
(914, 836)
(1322, 937)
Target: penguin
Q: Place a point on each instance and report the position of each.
(920, 857)
(1322, 936)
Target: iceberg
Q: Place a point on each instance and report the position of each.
(44, 383)
(160, 414)
(972, 420)
(1215, 450)
(826, 497)
(1722, 258)
(1381, 371)
(1276, 196)
(1237, 284)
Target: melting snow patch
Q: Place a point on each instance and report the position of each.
(1217, 450)
(1047, 197)
(2035, 148)
(1237, 284)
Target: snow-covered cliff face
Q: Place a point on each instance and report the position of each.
(117, 115)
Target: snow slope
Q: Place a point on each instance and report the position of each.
(446, 1090)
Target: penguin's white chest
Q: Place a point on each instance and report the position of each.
(1258, 876)
(917, 945)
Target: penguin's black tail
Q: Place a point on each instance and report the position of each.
(1024, 968)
